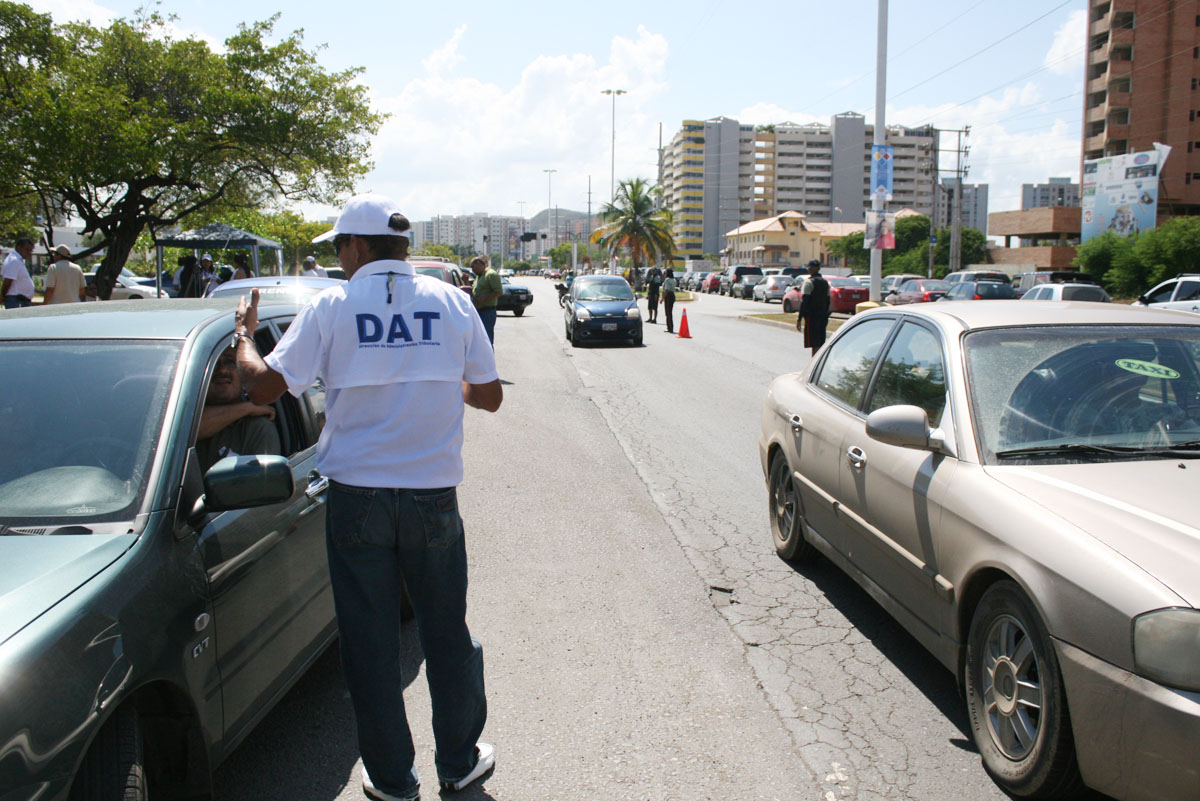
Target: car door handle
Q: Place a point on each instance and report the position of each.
(855, 455)
(317, 484)
(796, 422)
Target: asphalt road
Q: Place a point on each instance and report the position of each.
(642, 640)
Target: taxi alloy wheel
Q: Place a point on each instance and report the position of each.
(787, 514)
(1016, 699)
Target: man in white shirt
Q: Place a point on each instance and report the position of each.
(16, 286)
(400, 354)
(312, 268)
(208, 274)
(64, 281)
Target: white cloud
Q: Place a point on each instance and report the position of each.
(74, 11)
(1065, 56)
(457, 144)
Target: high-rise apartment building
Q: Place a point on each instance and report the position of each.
(470, 230)
(974, 205)
(1143, 86)
(719, 174)
(1055, 192)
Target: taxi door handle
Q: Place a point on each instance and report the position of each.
(796, 422)
(317, 484)
(856, 457)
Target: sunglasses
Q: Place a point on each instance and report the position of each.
(339, 241)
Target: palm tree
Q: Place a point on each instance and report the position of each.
(633, 222)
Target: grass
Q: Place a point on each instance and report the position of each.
(790, 319)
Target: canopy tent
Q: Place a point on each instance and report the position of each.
(219, 236)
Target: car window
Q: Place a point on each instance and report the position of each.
(1188, 290)
(1077, 385)
(908, 286)
(82, 422)
(1084, 292)
(912, 373)
(1161, 293)
(958, 291)
(851, 357)
(604, 290)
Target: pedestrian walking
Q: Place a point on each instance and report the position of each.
(16, 286)
(189, 279)
(400, 354)
(813, 318)
(64, 282)
(486, 294)
(654, 280)
(668, 298)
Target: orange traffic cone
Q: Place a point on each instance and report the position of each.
(683, 327)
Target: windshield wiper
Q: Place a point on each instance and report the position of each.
(1074, 448)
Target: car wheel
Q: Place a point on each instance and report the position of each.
(517, 312)
(787, 517)
(574, 337)
(787, 307)
(1016, 699)
(113, 766)
(637, 340)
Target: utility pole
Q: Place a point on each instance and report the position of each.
(956, 224)
(521, 248)
(549, 205)
(612, 187)
(877, 199)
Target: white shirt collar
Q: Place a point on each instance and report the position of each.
(382, 267)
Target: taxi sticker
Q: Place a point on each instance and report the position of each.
(1148, 369)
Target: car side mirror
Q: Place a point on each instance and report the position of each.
(904, 427)
(1142, 299)
(243, 482)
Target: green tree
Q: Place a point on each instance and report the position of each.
(134, 130)
(974, 250)
(632, 223)
(1169, 249)
(850, 248)
(1109, 258)
(436, 250)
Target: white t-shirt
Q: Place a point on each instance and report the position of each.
(315, 269)
(14, 268)
(393, 374)
(66, 279)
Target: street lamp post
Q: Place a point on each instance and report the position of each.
(612, 181)
(549, 178)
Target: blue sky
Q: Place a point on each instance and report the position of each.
(485, 96)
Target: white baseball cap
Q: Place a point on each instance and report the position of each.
(366, 215)
(308, 259)
(206, 256)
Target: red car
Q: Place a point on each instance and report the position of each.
(844, 295)
(447, 271)
(712, 283)
(920, 290)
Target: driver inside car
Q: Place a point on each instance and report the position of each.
(230, 425)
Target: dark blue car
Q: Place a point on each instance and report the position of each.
(602, 308)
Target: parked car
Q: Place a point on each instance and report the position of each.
(1069, 291)
(515, 298)
(696, 281)
(712, 283)
(289, 288)
(773, 288)
(845, 294)
(129, 287)
(1013, 483)
(449, 272)
(1023, 282)
(602, 307)
(335, 272)
(980, 290)
(979, 275)
(918, 290)
(1181, 293)
(891, 283)
(738, 281)
(153, 612)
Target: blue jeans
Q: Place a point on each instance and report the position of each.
(489, 323)
(380, 540)
(19, 302)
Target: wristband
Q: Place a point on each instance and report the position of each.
(239, 335)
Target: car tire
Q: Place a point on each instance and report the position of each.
(113, 769)
(637, 340)
(787, 516)
(787, 307)
(517, 312)
(1024, 738)
(574, 337)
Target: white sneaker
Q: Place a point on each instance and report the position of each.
(380, 795)
(486, 761)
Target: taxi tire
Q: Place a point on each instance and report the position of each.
(1049, 769)
(517, 312)
(113, 769)
(786, 514)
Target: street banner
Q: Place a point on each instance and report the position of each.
(1120, 193)
(881, 171)
(881, 230)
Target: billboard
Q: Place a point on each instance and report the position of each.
(881, 171)
(1120, 193)
(881, 230)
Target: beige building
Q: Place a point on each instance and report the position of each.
(785, 240)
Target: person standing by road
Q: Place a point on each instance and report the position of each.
(814, 308)
(64, 281)
(486, 293)
(654, 280)
(400, 355)
(17, 287)
(668, 298)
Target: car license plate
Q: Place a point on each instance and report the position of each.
(608, 326)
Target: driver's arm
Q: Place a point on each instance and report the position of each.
(216, 418)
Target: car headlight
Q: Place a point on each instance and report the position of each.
(582, 313)
(632, 313)
(1166, 647)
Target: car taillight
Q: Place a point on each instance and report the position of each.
(928, 296)
(978, 298)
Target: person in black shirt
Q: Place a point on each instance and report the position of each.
(814, 308)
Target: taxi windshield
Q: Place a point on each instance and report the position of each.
(82, 421)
